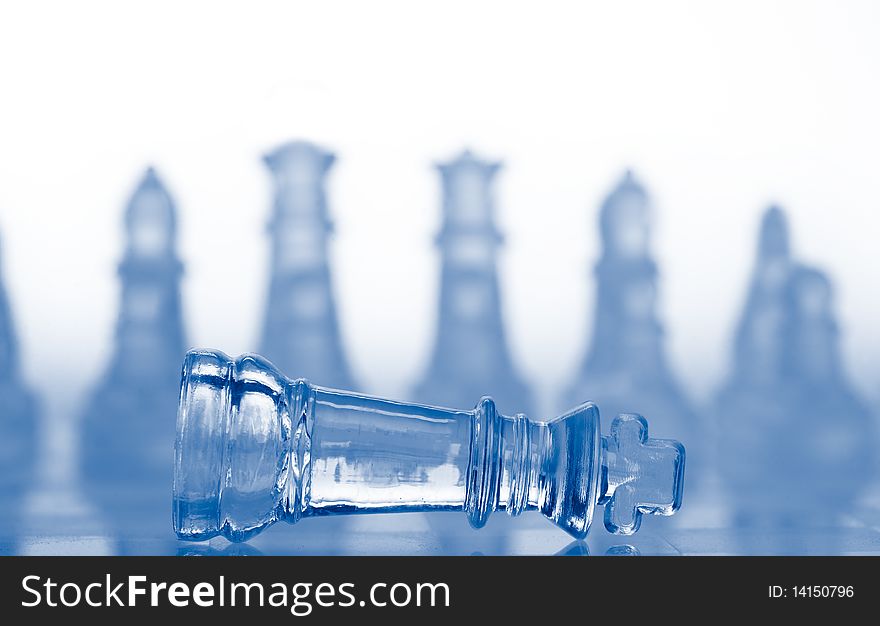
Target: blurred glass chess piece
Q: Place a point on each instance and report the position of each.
(301, 331)
(787, 407)
(470, 320)
(128, 426)
(18, 418)
(254, 447)
(625, 369)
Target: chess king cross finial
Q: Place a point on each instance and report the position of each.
(636, 475)
(254, 447)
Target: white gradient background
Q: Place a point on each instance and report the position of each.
(719, 108)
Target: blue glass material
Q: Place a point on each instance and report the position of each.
(18, 415)
(788, 406)
(254, 447)
(128, 424)
(301, 331)
(625, 369)
(470, 320)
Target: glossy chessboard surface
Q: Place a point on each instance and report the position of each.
(64, 523)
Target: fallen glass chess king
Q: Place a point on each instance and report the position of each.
(254, 447)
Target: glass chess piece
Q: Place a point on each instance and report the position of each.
(301, 328)
(128, 421)
(469, 317)
(19, 412)
(626, 368)
(470, 320)
(789, 406)
(254, 447)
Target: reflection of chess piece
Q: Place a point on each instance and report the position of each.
(625, 370)
(470, 355)
(301, 331)
(128, 428)
(795, 439)
(18, 415)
